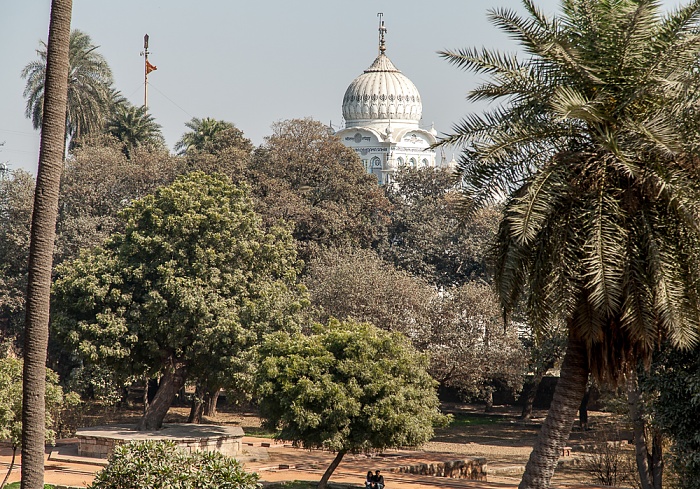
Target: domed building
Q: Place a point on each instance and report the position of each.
(382, 110)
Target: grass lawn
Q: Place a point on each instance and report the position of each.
(469, 419)
(15, 485)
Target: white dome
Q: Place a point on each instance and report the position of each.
(381, 93)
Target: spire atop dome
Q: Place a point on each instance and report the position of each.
(382, 31)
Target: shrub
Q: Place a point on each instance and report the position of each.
(161, 465)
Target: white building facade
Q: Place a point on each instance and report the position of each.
(382, 110)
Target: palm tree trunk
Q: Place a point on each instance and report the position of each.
(41, 245)
(562, 412)
(331, 468)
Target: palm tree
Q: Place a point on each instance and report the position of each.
(89, 87)
(201, 134)
(43, 232)
(134, 127)
(593, 153)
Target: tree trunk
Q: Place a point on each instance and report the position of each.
(210, 400)
(41, 246)
(583, 410)
(145, 395)
(562, 412)
(12, 466)
(657, 460)
(196, 406)
(649, 462)
(531, 393)
(488, 397)
(170, 383)
(331, 468)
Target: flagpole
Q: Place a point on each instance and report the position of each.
(145, 71)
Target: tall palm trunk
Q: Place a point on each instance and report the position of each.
(41, 246)
(562, 412)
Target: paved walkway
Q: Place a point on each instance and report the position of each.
(64, 467)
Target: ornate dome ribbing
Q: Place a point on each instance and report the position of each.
(381, 93)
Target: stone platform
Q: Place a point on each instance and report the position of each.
(99, 441)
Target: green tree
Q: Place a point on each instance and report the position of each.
(348, 388)
(425, 236)
(673, 382)
(184, 292)
(97, 183)
(41, 244)
(304, 175)
(89, 88)
(11, 405)
(593, 147)
(357, 284)
(203, 135)
(134, 127)
(470, 349)
(16, 197)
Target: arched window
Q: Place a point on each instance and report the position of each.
(424, 162)
(412, 162)
(401, 161)
(376, 168)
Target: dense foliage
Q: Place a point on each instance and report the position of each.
(425, 236)
(674, 385)
(11, 401)
(349, 387)
(357, 284)
(186, 289)
(161, 465)
(305, 175)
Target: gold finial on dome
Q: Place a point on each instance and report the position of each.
(382, 31)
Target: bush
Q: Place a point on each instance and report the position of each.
(611, 464)
(161, 465)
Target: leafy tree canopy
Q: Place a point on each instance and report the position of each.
(16, 202)
(11, 401)
(357, 284)
(303, 174)
(425, 235)
(674, 385)
(185, 290)
(349, 387)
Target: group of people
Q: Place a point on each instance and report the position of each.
(374, 481)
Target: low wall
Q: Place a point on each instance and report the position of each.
(473, 469)
(99, 441)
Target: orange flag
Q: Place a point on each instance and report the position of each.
(150, 67)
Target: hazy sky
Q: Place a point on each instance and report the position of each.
(253, 62)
